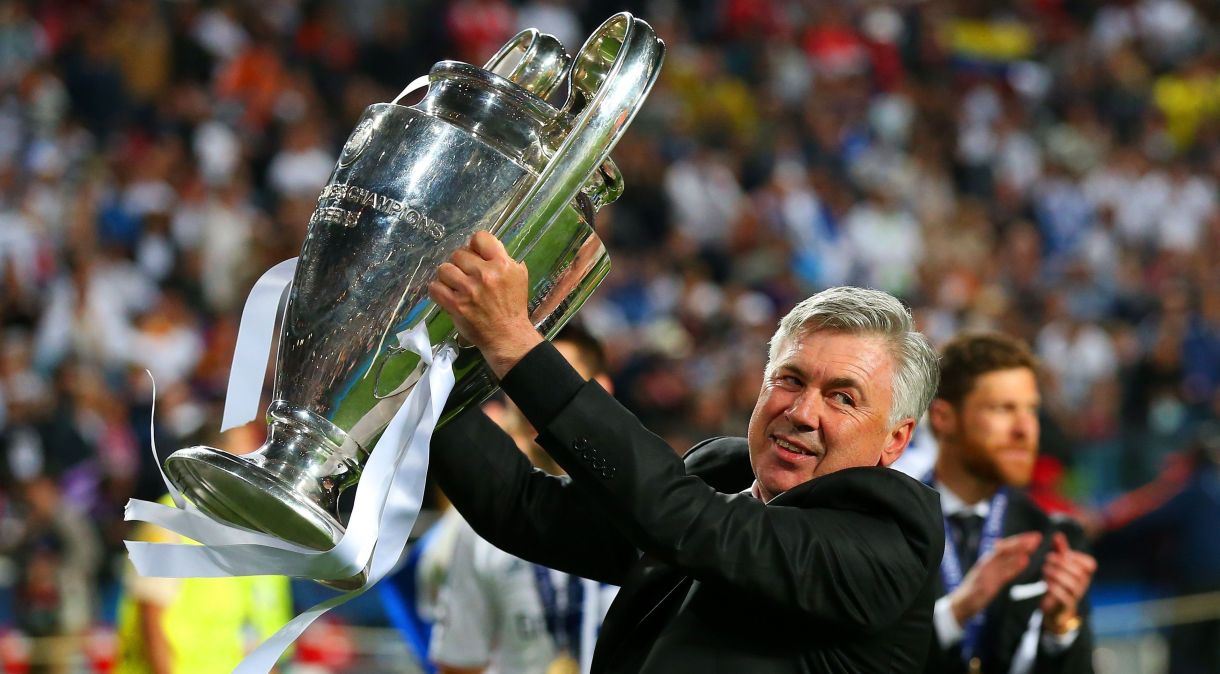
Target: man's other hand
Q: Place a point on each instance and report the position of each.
(990, 574)
(1067, 573)
(487, 293)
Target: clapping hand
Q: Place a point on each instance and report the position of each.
(1067, 573)
(991, 573)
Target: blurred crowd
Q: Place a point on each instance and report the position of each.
(1044, 167)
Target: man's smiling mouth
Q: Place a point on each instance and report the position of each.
(792, 448)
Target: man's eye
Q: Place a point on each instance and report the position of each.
(790, 381)
(843, 398)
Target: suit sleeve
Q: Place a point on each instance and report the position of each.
(857, 562)
(520, 509)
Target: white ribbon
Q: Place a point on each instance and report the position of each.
(254, 336)
(401, 506)
(415, 85)
(388, 497)
(234, 551)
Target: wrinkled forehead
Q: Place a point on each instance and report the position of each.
(870, 347)
(808, 334)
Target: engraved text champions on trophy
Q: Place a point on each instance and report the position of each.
(343, 193)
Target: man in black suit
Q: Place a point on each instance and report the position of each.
(819, 559)
(1020, 607)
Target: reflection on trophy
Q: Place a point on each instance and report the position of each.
(482, 150)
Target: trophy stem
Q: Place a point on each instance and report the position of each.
(288, 488)
(311, 455)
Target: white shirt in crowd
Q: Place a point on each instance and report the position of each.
(489, 612)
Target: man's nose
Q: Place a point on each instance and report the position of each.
(805, 412)
(1025, 424)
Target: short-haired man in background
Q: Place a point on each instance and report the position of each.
(1013, 584)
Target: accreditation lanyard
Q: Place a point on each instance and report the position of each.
(951, 571)
(562, 622)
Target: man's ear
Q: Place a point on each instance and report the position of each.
(897, 442)
(942, 418)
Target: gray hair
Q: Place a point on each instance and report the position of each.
(861, 311)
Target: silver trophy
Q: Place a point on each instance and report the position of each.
(483, 150)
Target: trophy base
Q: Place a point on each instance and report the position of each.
(237, 491)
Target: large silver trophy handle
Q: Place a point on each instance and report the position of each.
(614, 71)
(534, 61)
(612, 75)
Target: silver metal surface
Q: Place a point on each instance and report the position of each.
(534, 61)
(481, 151)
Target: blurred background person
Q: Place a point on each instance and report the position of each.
(1163, 534)
(1013, 578)
(205, 625)
(58, 555)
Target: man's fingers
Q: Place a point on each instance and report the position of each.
(1013, 565)
(1059, 542)
(487, 246)
(1078, 563)
(1060, 565)
(1056, 596)
(1070, 579)
(1082, 563)
(1002, 566)
(450, 276)
(442, 295)
(1024, 543)
(1009, 558)
(1074, 572)
(1084, 560)
(466, 260)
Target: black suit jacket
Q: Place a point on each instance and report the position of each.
(1007, 620)
(836, 575)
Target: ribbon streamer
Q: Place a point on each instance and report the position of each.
(254, 337)
(392, 505)
(397, 521)
(415, 85)
(152, 439)
(388, 497)
(233, 551)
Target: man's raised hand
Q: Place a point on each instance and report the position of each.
(487, 293)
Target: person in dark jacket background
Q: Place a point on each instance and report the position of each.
(1013, 579)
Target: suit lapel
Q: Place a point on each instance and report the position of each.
(649, 594)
